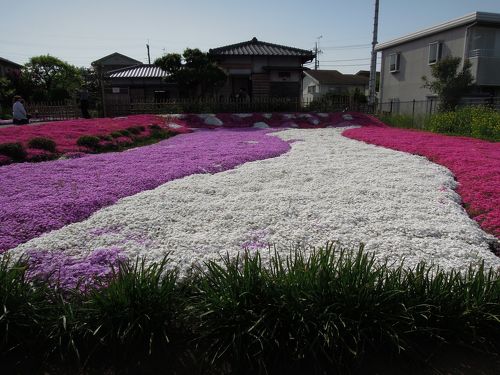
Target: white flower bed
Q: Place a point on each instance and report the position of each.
(326, 188)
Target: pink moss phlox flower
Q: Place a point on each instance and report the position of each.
(66, 133)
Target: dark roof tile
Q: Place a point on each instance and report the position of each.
(256, 47)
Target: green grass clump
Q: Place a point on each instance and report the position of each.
(116, 134)
(139, 314)
(42, 143)
(321, 311)
(404, 121)
(108, 138)
(88, 141)
(134, 130)
(15, 151)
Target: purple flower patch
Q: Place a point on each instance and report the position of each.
(68, 272)
(38, 198)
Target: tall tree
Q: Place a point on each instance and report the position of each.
(50, 78)
(450, 83)
(193, 71)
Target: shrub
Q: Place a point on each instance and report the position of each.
(15, 151)
(88, 141)
(124, 133)
(108, 138)
(42, 143)
(134, 130)
(154, 127)
(116, 134)
(472, 121)
(160, 133)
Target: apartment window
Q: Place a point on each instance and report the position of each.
(434, 52)
(394, 62)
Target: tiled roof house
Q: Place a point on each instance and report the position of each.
(261, 69)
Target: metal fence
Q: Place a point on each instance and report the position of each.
(415, 113)
(418, 110)
(52, 111)
(227, 105)
(431, 105)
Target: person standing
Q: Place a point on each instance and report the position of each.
(19, 115)
(84, 103)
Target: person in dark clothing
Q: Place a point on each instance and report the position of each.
(19, 114)
(84, 103)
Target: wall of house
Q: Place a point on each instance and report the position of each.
(306, 83)
(406, 84)
(320, 90)
(7, 70)
(261, 82)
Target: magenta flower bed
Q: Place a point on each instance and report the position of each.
(66, 133)
(299, 120)
(37, 198)
(475, 164)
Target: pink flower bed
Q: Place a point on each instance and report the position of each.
(475, 164)
(66, 133)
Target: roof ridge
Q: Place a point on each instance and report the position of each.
(124, 68)
(254, 40)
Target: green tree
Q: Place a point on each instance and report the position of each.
(49, 78)
(450, 83)
(6, 93)
(192, 71)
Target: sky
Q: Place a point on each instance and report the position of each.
(80, 32)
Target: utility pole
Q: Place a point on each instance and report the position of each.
(373, 67)
(317, 51)
(149, 57)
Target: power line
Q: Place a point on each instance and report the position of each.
(352, 46)
(344, 60)
(367, 64)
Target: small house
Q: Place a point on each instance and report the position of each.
(261, 70)
(318, 83)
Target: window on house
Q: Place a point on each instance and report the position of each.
(311, 89)
(284, 74)
(434, 52)
(394, 62)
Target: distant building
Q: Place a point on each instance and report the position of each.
(317, 83)
(405, 60)
(137, 84)
(261, 70)
(9, 68)
(113, 61)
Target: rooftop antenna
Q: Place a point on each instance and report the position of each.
(149, 57)
(317, 52)
(373, 66)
